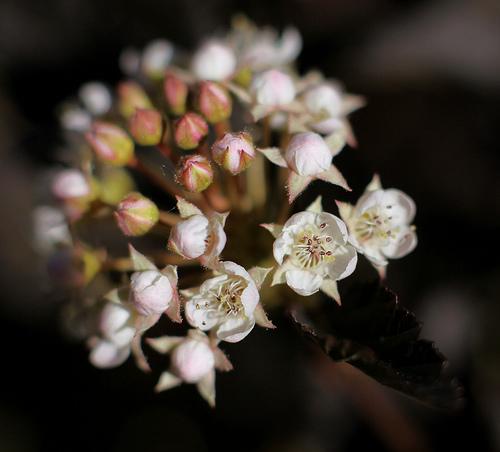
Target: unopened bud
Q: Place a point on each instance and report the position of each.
(110, 143)
(190, 129)
(214, 61)
(324, 99)
(146, 127)
(307, 154)
(273, 88)
(192, 360)
(136, 214)
(115, 183)
(176, 91)
(115, 324)
(151, 292)
(189, 237)
(214, 102)
(234, 151)
(195, 173)
(132, 96)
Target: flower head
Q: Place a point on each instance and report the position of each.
(273, 88)
(225, 304)
(313, 252)
(307, 154)
(151, 292)
(197, 235)
(192, 359)
(234, 152)
(213, 61)
(380, 223)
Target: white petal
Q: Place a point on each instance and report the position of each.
(346, 259)
(403, 245)
(303, 282)
(106, 354)
(234, 329)
(282, 246)
(402, 205)
(200, 317)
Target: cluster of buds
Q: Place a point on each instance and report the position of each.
(204, 134)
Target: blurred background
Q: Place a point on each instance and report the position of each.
(430, 71)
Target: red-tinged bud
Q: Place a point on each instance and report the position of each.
(110, 143)
(136, 214)
(146, 126)
(131, 97)
(190, 129)
(234, 151)
(195, 173)
(214, 102)
(176, 92)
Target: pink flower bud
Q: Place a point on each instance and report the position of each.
(146, 126)
(189, 237)
(214, 102)
(234, 151)
(114, 324)
(307, 154)
(176, 92)
(136, 214)
(195, 173)
(192, 360)
(132, 96)
(190, 130)
(110, 143)
(70, 184)
(273, 88)
(151, 292)
(324, 99)
(213, 61)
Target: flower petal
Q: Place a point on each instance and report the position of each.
(346, 259)
(403, 245)
(303, 282)
(234, 329)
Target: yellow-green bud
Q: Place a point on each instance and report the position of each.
(110, 143)
(146, 126)
(214, 102)
(194, 173)
(132, 96)
(190, 129)
(136, 214)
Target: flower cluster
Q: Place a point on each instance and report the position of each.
(203, 133)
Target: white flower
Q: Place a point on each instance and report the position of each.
(307, 154)
(313, 252)
(324, 99)
(75, 119)
(266, 50)
(70, 184)
(273, 88)
(192, 360)
(117, 332)
(380, 223)
(49, 229)
(198, 235)
(225, 304)
(151, 292)
(213, 61)
(95, 97)
(156, 57)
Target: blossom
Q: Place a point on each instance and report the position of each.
(198, 235)
(156, 57)
(234, 152)
(224, 304)
(96, 98)
(313, 252)
(71, 184)
(116, 330)
(308, 156)
(151, 292)
(213, 61)
(273, 88)
(194, 359)
(380, 224)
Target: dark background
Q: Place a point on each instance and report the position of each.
(430, 71)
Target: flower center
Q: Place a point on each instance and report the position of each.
(312, 247)
(375, 225)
